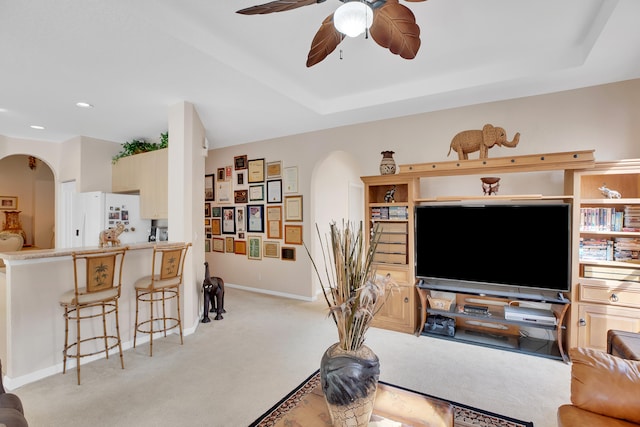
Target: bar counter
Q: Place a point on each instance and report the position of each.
(31, 319)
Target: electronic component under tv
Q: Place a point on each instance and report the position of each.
(524, 245)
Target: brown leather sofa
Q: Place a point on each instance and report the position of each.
(605, 391)
(11, 412)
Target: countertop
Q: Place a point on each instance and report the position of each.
(53, 253)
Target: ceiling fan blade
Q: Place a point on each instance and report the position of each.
(277, 6)
(394, 27)
(415, 1)
(324, 42)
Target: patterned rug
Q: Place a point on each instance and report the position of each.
(464, 416)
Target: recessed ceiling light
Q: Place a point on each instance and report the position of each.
(83, 105)
(37, 127)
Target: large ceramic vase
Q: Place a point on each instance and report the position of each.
(387, 164)
(349, 381)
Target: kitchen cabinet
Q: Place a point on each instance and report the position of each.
(146, 174)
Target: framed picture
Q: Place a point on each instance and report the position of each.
(293, 208)
(228, 220)
(271, 249)
(256, 193)
(288, 253)
(274, 222)
(255, 218)
(207, 231)
(218, 244)
(220, 174)
(209, 193)
(241, 178)
(228, 244)
(240, 162)
(241, 219)
(207, 210)
(207, 222)
(241, 196)
(290, 179)
(228, 172)
(240, 247)
(216, 211)
(224, 191)
(8, 203)
(215, 226)
(207, 245)
(274, 169)
(256, 170)
(255, 247)
(293, 234)
(274, 191)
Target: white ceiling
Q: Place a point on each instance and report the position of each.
(247, 76)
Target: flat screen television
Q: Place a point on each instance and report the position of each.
(518, 245)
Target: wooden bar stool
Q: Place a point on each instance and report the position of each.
(101, 273)
(162, 285)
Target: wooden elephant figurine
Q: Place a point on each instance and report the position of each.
(469, 141)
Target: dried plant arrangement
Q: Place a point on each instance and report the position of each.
(352, 289)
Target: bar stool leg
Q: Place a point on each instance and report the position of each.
(66, 340)
(118, 335)
(135, 329)
(151, 296)
(104, 330)
(78, 344)
(179, 317)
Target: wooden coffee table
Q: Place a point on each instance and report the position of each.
(393, 407)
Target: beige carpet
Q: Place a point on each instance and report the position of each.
(231, 371)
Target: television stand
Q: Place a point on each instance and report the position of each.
(479, 314)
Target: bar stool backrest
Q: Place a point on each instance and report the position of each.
(103, 271)
(171, 262)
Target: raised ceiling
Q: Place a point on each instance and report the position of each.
(246, 75)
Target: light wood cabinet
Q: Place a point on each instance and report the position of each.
(145, 173)
(596, 319)
(125, 175)
(154, 185)
(608, 293)
(396, 251)
(394, 254)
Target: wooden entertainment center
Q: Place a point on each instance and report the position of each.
(594, 299)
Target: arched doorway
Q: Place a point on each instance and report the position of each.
(337, 195)
(31, 182)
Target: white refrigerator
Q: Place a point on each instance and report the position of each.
(96, 211)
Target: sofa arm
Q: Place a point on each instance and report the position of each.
(605, 384)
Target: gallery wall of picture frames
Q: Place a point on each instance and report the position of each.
(253, 209)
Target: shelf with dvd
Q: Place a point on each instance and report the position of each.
(607, 218)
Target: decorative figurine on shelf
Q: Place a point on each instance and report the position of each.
(470, 141)
(111, 235)
(608, 193)
(213, 288)
(389, 196)
(490, 185)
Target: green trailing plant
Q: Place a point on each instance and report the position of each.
(138, 146)
(352, 289)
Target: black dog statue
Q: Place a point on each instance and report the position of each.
(213, 288)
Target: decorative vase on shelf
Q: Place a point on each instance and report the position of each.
(387, 164)
(349, 370)
(349, 382)
(490, 185)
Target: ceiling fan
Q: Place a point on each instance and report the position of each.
(390, 24)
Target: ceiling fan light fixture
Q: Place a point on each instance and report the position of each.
(353, 18)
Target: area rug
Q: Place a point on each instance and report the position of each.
(464, 416)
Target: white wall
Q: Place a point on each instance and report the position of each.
(605, 118)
